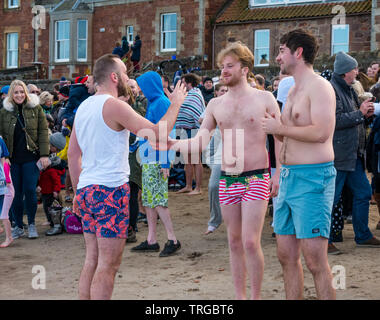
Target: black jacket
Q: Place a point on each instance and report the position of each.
(136, 51)
(350, 125)
(207, 94)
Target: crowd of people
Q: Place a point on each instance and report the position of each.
(302, 141)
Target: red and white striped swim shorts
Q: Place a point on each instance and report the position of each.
(235, 189)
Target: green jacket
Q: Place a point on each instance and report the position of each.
(37, 137)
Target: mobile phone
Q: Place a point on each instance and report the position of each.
(373, 99)
(39, 165)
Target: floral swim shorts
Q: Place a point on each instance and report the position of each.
(154, 187)
(104, 210)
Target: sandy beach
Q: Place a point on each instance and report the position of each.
(200, 270)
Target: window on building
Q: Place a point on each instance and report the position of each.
(12, 50)
(262, 47)
(82, 40)
(254, 3)
(62, 41)
(340, 37)
(129, 32)
(169, 32)
(13, 4)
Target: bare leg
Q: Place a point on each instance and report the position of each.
(232, 218)
(198, 179)
(315, 253)
(8, 234)
(164, 214)
(253, 215)
(141, 207)
(89, 267)
(289, 254)
(109, 260)
(189, 178)
(151, 216)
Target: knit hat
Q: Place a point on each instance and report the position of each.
(5, 89)
(58, 140)
(344, 63)
(64, 91)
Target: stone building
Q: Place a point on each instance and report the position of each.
(47, 39)
(338, 25)
(64, 38)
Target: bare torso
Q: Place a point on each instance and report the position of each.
(297, 112)
(244, 141)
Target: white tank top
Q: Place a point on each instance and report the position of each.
(105, 151)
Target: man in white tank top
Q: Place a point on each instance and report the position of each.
(99, 169)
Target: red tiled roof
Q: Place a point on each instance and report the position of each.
(239, 11)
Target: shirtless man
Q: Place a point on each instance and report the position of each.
(244, 186)
(98, 161)
(307, 183)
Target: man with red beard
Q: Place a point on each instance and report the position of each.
(98, 161)
(304, 203)
(245, 185)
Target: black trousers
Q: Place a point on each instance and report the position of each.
(133, 204)
(47, 201)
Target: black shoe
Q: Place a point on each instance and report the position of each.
(131, 238)
(146, 247)
(337, 237)
(170, 248)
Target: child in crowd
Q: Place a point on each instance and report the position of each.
(50, 179)
(6, 194)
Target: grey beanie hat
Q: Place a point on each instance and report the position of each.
(344, 63)
(58, 140)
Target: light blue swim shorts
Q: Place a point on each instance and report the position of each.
(305, 200)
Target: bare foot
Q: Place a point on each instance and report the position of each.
(6, 243)
(195, 192)
(183, 190)
(210, 229)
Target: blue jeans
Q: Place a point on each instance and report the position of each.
(213, 196)
(25, 177)
(361, 189)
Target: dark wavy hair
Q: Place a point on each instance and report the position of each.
(301, 39)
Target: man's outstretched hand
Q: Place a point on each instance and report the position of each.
(179, 94)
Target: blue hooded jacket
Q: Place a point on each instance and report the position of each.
(150, 84)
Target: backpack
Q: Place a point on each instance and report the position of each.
(71, 222)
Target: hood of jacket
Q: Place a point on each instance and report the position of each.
(150, 84)
(32, 103)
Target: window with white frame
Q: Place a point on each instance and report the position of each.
(82, 40)
(340, 36)
(168, 32)
(12, 50)
(129, 32)
(62, 41)
(13, 4)
(262, 47)
(254, 3)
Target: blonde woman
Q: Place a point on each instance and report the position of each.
(46, 101)
(24, 130)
